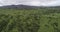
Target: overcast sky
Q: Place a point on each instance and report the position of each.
(31, 2)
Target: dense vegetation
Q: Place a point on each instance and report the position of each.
(30, 20)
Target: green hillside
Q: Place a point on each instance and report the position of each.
(30, 20)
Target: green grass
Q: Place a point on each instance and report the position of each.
(30, 20)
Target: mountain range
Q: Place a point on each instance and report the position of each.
(27, 7)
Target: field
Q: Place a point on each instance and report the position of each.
(30, 20)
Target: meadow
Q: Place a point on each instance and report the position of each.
(30, 20)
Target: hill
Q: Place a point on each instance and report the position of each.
(19, 6)
(28, 7)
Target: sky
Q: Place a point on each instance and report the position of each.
(30, 2)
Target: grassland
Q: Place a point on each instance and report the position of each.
(30, 20)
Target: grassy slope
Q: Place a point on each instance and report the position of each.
(34, 20)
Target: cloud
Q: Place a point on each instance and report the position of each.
(31, 2)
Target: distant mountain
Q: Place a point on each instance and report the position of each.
(19, 6)
(28, 7)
